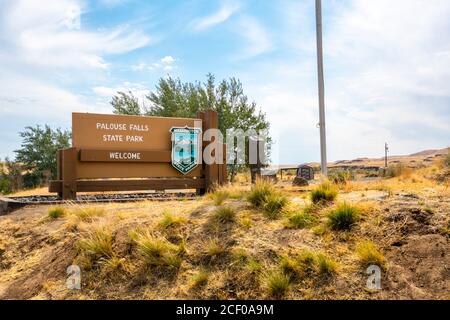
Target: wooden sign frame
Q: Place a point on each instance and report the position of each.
(69, 162)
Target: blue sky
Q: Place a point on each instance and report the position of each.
(387, 65)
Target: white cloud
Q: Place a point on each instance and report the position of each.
(137, 89)
(166, 63)
(47, 59)
(258, 40)
(387, 69)
(50, 34)
(227, 9)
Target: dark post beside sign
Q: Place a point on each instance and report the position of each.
(126, 153)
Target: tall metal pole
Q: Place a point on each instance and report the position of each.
(386, 149)
(323, 138)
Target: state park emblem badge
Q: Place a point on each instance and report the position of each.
(186, 148)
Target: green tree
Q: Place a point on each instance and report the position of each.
(173, 98)
(10, 176)
(38, 151)
(125, 103)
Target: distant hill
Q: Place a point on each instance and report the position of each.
(428, 153)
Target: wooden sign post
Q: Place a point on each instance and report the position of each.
(124, 153)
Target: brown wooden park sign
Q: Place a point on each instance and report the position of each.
(124, 153)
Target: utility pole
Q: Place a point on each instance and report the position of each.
(386, 149)
(323, 138)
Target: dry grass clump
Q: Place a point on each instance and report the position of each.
(343, 217)
(56, 212)
(398, 170)
(277, 283)
(300, 220)
(156, 250)
(224, 214)
(259, 192)
(97, 244)
(220, 196)
(199, 279)
(324, 193)
(341, 177)
(274, 205)
(263, 195)
(306, 263)
(447, 159)
(169, 220)
(114, 265)
(369, 254)
(214, 248)
(326, 265)
(88, 213)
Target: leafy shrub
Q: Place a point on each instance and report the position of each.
(343, 217)
(323, 193)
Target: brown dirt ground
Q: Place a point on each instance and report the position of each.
(411, 228)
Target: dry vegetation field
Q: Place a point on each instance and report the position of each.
(240, 242)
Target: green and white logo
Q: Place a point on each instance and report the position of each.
(185, 148)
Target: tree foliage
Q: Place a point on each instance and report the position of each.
(10, 176)
(174, 98)
(38, 151)
(125, 103)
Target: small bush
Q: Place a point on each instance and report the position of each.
(224, 214)
(157, 251)
(277, 283)
(98, 244)
(397, 170)
(56, 212)
(170, 220)
(220, 196)
(369, 254)
(447, 159)
(343, 217)
(274, 204)
(341, 176)
(259, 192)
(300, 220)
(323, 193)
